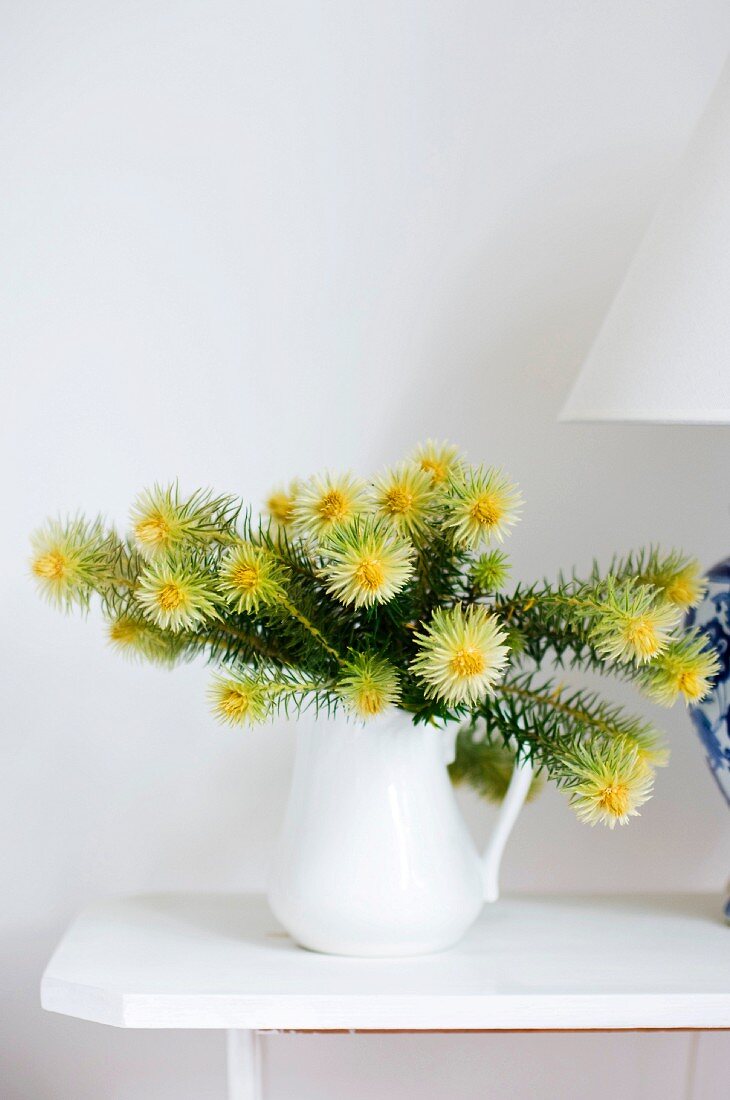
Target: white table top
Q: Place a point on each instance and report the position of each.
(550, 962)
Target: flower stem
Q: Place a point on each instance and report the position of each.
(553, 700)
(309, 626)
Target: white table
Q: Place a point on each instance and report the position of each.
(530, 964)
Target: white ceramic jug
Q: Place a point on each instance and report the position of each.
(375, 858)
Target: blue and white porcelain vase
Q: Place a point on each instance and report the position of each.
(711, 717)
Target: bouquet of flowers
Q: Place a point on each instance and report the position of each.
(390, 593)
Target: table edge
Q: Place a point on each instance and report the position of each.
(375, 1012)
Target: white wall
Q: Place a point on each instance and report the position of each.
(246, 240)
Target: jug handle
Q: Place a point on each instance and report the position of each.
(514, 800)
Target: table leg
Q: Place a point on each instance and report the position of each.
(692, 1053)
(244, 1065)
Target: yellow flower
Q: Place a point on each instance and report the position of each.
(481, 503)
(176, 595)
(608, 785)
(250, 577)
(126, 632)
(366, 562)
(462, 655)
(405, 496)
(327, 500)
(157, 522)
(162, 521)
(686, 668)
(438, 460)
(678, 578)
(281, 503)
(369, 686)
(631, 625)
(686, 588)
(136, 638)
(239, 701)
(70, 560)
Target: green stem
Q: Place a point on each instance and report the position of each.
(310, 627)
(526, 603)
(553, 700)
(122, 580)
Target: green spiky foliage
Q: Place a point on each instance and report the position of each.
(368, 596)
(485, 765)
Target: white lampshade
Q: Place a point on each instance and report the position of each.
(663, 352)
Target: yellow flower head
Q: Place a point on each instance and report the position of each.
(280, 504)
(438, 460)
(162, 521)
(239, 701)
(405, 496)
(462, 655)
(631, 625)
(126, 632)
(250, 577)
(608, 784)
(481, 504)
(686, 588)
(69, 560)
(677, 578)
(328, 500)
(369, 686)
(137, 638)
(686, 669)
(366, 562)
(177, 595)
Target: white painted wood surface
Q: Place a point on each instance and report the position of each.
(551, 962)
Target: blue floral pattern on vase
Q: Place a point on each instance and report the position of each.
(711, 717)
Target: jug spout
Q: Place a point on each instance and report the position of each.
(514, 800)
